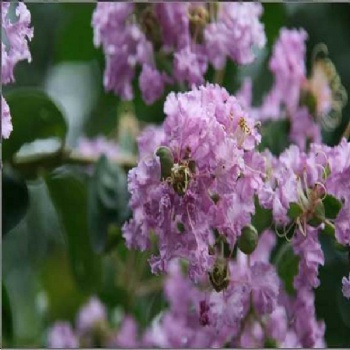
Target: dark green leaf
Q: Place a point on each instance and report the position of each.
(34, 116)
(273, 18)
(108, 204)
(6, 315)
(69, 197)
(15, 200)
(332, 206)
(294, 210)
(330, 303)
(262, 219)
(329, 229)
(75, 42)
(315, 221)
(275, 136)
(287, 264)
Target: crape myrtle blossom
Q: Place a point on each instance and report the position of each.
(62, 336)
(307, 102)
(151, 137)
(239, 24)
(90, 316)
(252, 312)
(304, 180)
(91, 328)
(98, 146)
(297, 178)
(346, 287)
(14, 48)
(172, 42)
(199, 184)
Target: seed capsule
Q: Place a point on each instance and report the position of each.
(248, 240)
(166, 161)
(220, 275)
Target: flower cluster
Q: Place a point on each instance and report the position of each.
(193, 194)
(308, 103)
(98, 146)
(90, 328)
(14, 48)
(172, 42)
(195, 190)
(253, 312)
(309, 193)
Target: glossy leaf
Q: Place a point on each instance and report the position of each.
(6, 315)
(294, 210)
(15, 200)
(329, 229)
(275, 136)
(262, 219)
(287, 266)
(69, 196)
(332, 206)
(108, 204)
(34, 116)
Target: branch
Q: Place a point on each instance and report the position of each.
(31, 165)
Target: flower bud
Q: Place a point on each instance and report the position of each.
(220, 275)
(215, 197)
(166, 161)
(248, 240)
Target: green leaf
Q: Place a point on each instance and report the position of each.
(69, 196)
(274, 17)
(75, 41)
(107, 204)
(331, 306)
(57, 265)
(294, 210)
(329, 229)
(15, 200)
(332, 206)
(6, 315)
(262, 219)
(287, 264)
(275, 136)
(34, 116)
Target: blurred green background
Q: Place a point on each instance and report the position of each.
(36, 266)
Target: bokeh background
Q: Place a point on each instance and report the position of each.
(36, 268)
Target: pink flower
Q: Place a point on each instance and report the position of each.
(346, 287)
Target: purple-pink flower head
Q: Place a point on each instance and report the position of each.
(14, 48)
(124, 45)
(91, 314)
(201, 180)
(61, 336)
(288, 65)
(346, 287)
(235, 34)
(172, 42)
(16, 35)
